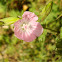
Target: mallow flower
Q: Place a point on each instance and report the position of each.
(27, 28)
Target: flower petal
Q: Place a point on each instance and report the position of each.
(26, 13)
(34, 28)
(37, 28)
(17, 32)
(29, 37)
(30, 16)
(17, 23)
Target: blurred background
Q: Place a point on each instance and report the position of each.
(47, 47)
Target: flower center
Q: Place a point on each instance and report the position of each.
(24, 26)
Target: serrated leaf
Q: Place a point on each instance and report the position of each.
(46, 10)
(9, 20)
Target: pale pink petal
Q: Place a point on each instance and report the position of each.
(34, 19)
(29, 36)
(38, 31)
(23, 35)
(26, 13)
(17, 32)
(37, 28)
(33, 30)
(17, 23)
(30, 16)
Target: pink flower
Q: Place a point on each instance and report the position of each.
(27, 28)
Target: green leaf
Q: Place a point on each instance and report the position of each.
(61, 33)
(42, 36)
(9, 20)
(46, 10)
(59, 46)
(1, 23)
(10, 49)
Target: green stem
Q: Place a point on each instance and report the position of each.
(6, 6)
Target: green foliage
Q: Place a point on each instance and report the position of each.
(6, 38)
(10, 49)
(47, 47)
(14, 41)
(14, 13)
(9, 20)
(46, 10)
(43, 36)
(1, 23)
(61, 32)
(2, 10)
